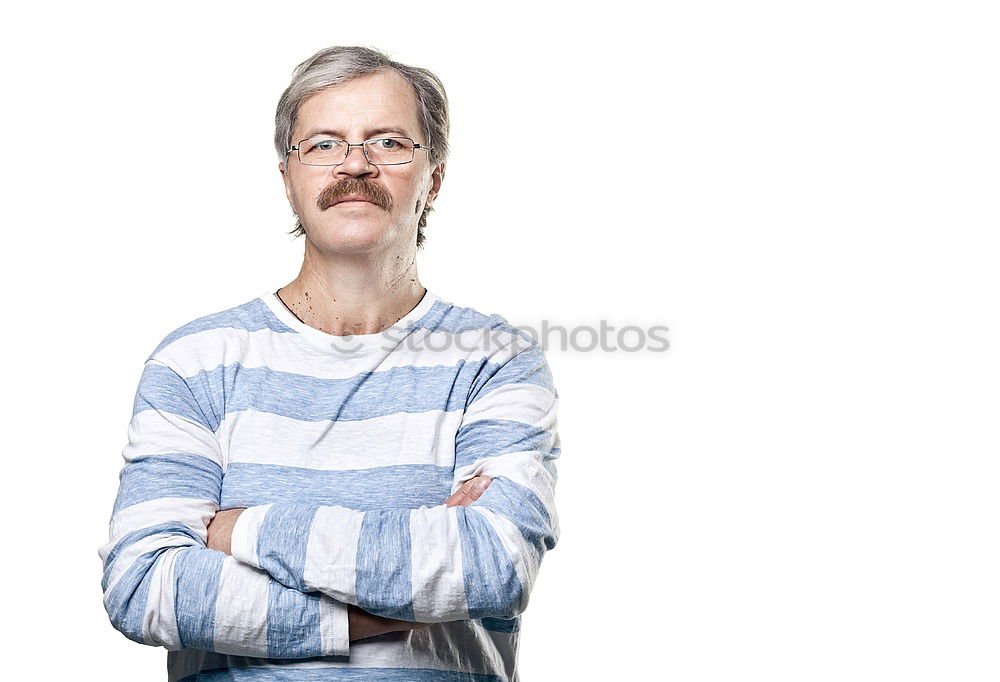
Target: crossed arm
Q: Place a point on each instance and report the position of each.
(362, 624)
(474, 556)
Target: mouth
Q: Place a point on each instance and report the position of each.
(352, 200)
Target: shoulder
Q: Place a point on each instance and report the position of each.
(495, 350)
(448, 318)
(205, 341)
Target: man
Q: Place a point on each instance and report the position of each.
(349, 477)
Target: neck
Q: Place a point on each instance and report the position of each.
(354, 293)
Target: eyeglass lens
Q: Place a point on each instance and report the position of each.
(383, 151)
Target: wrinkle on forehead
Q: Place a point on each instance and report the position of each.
(381, 99)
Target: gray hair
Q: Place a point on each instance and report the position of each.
(337, 65)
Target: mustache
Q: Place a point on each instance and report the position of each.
(361, 187)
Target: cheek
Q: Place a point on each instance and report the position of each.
(292, 192)
(417, 193)
(292, 198)
(304, 194)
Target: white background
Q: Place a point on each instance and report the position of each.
(804, 487)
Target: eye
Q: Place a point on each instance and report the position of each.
(388, 143)
(325, 145)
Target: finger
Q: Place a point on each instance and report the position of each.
(459, 497)
(479, 487)
(471, 490)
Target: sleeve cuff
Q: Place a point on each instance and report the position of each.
(334, 626)
(246, 530)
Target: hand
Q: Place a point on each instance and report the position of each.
(469, 492)
(220, 530)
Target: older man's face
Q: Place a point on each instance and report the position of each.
(378, 105)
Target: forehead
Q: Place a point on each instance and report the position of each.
(383, 100)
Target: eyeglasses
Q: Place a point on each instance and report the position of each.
(381, 151)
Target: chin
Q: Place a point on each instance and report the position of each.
(350, 236)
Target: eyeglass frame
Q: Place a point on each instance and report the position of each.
(347, 152)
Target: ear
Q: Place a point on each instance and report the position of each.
(288, 185)
(437, 177)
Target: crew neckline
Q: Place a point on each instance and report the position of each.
(355, 343)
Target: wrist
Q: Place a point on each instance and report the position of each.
(245, 533)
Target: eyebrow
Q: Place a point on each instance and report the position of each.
(368, 135)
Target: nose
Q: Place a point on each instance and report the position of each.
(356, 164)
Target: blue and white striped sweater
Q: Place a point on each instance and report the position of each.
(343, 450)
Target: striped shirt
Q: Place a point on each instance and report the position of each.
(343, 450)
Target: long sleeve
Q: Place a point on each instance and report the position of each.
(162, 585)
(436, 564)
